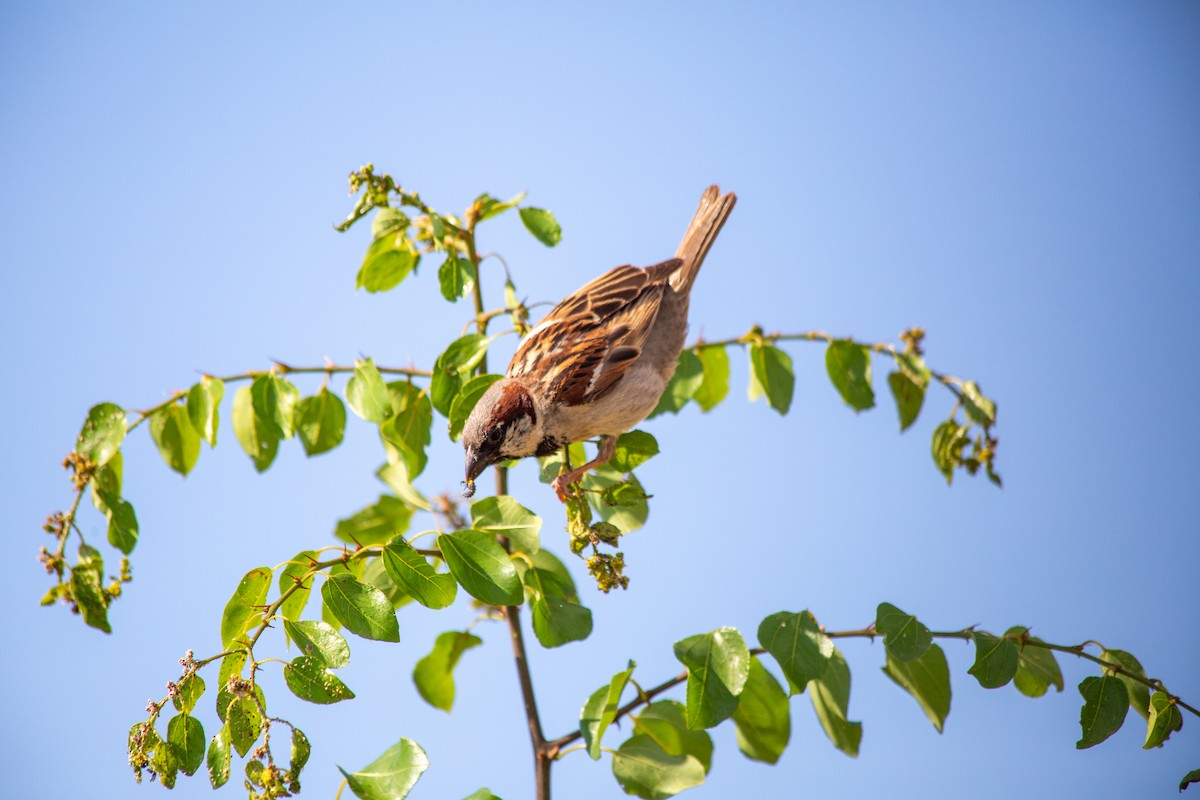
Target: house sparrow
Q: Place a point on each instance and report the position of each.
(597, 363)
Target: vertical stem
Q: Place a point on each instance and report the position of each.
(512, 614)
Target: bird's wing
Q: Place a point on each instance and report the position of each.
(586, 342)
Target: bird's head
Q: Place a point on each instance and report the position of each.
(504, 425)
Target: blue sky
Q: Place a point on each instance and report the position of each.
(1021, 180)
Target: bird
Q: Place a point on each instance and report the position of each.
(597, 363)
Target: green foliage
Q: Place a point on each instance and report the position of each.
(245, 606)
(1106, 702)
(849, 366)
(309, 679)
(413, 573)
(799, 646)
(434, 674)
(905, 638)
(176, 439)
(363, 609)
(320, 422)
(601, 709)
(499, 559)
(718, 665)
(102, 433)
(481, 567)
(644, 769)
(771, 376)
(762, 718)
(392, 775)
(927, 679)
(830, 695)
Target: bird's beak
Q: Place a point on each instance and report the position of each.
(473, 470)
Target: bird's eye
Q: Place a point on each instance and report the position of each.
(495, 435)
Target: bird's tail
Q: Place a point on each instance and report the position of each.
(706, 224)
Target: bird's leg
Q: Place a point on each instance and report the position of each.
(608, 446)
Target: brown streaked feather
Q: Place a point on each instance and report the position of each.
(586, 342)
(710, 215)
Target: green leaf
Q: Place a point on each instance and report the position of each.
(503, 515)
(798, 645)
(321, 422)
(909, 395)
(632, 511)
(413, 573)
(905, 638)
(387, 518)
(186, 735)
(981, 410)
(86, 578)
(542, 224)
(1139, 693)
(949, 439)
(927, 679)
(831, 701)
(456, 276)
(665, 722)
(557, 618)
(203, 400)
(407, 433)
(320, 641)
(1164, 720)
(634, 448)
(762, 719)
(301, 750)
(487, 206)
(253, 434)
(996, 659)
(601, 709)
(718, 664)
(481, 794)
(102, 433)
(292, 574)
(1105, 704)
(309, 680)
(1037, 668)
(464, 353)
(107, 479)
(375, 574)
(246, 605)
(443, 387)
(366, 393)
(466, 399)
(231, 665)
(188, 692)
(771, 375)
(645, 770)
(481, 567)
(122, 522)
(849, 367)
(177, 441)
(396, 476)
(715, 385)
(388, 261)
(245, 723)
(392, 775)
(218, 758)
(1189, 779)
(689, 374)
(363, 609)
(165, 765)
(274, 400)
(434, 674)
(389, 220)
